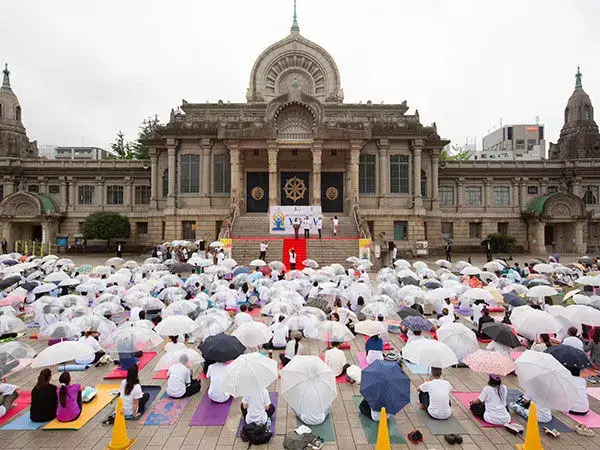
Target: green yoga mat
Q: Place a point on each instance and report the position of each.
(325, 430)
(371, 427)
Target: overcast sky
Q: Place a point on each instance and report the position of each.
(83, 70)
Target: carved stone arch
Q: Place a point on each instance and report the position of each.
(564, 206)
(20, 205)
(295, 121)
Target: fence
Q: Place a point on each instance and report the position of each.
(34, 248)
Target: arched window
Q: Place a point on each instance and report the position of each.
(165, 183)
(586, 113)
(18, 113)
(423, 184)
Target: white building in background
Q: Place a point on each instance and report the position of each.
(81, 153)
(514, 143)
(47, 151)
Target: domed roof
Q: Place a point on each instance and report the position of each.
(579, 107)
(10, 110)
(294, 63)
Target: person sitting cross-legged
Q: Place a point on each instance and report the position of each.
(257, 408)
(434, 395)
(180, 383)
(491, 403)
(134, 399)
(336, 360)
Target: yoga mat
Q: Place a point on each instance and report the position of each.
(515, 355)
(341, 379)
(594, 392)
(274, 400)
(591, 419)
(344, 346)
(143, 361)
(166, 411)
(88, 411)
(362, 360)
(514, 394)
(19, 335)
(415, 369)
(465, 399)
(32, 324)
(211, 414)
(255, 312)
(324, 430)
(463, 313)
(386, 347)
(371, 427)
(22, 402)
(24, 423)
(74, 367)
(446, 426)
(153, 393)
(484, 341)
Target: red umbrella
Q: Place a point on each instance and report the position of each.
(266, 271)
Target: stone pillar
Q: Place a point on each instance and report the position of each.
(273, 152)
(435, 179)
(317, 151)
(580, 244)
(487, 192)
(72, 193)
(43, 185)
(538, 247)
(44, 232)
(417, 150)
(544, 186)
(9, 185)
(206, 165)
(523, 189)
(460, 191)
(355, 147)
(234, 158)
(63, 194)
(172, 155)
(154, 177)
(128, 193)
(576, 187)
(383, 145)
(100, 192)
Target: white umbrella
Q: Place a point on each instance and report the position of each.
(59, 330)
(580, 315)
(443, 263)
(11, 324)
(215, 244)
(130, 339)
(248, 374)
(216, 270)
(107, 308)
(462, 340)
(182, 308)
(470, 270)
(62, 352)
(532, 322)
(479, 294)
(401, 264)
(543, 268)
(167, 360)
(541, 292)
(379, 308)
(92, 322)
(329, 331)
(493, 266)
(311, 263)
(429, 353)
(253, 334)
(175, 325)
(588, 281)
(257, 263)
(69, 282)
(44, 288)
(548, 382)
(210, 325)
(370, 327)
(116, 261)
(308, 385)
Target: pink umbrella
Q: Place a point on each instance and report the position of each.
(488, 362)
(12, 300)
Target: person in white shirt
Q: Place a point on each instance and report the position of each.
(134, 315)
(572, 339)
(314, 290)
(434, 395)
(446, 317)
(257, 408)
(220, 257)
(280, 331)
(293, 348)
(134, 399)
(582, 403)
(292, 253)
(336, 223)
(490, 406)
(364, 276)
(215, 374)
(544, 414)
(366, 410)
(336, 360)
(174, 345)
(91, 342)
(180, 383)
(320, 226)
(306, 227)
(263, 250)
(242, 316)
(414, 336)
(9, 394)
(46, 318)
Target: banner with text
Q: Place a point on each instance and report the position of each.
(281, 218)
(364, 249)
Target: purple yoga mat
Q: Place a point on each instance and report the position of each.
(211, 414)
(273, 396)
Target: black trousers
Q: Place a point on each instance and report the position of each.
(320, 233)
(365, 409)
(292, 266)
(263, 255)
(99, 354)
(284, 359)
(270, 411)
(142, 403)
(343, 370)
(191, 389)
(478, 409)
(306, 233)
(296, 230)
(424, 399)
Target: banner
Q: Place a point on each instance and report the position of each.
(364, 249)
(227, 247)
(281, 218)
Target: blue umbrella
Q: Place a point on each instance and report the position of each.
(241, 269)
(417, 323)
(384, 384)
(570, 357)
(513, 299)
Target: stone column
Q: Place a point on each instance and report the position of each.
(317, 151)
(234, 159)
(273, 152)
(523, 189)
(43, 184)
(487, 192)
(460, 191)
(9, 185)
(172, 154)
(383, 145)
(576, 187)
(417, 150)
(355, 147)
(514, 191)
(435, 179)
(128, 193)
(44, 232)
(580, 245)
(63, 194)
(206, 165)
(154, 177)
(100, 192)
(72, 194)
(539, 247)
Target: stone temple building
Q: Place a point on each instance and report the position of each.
(215, 169)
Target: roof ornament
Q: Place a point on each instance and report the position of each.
(578, 76)
(295, 28)
(6, 80)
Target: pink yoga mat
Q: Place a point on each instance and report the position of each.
(594, 392)
(465, 399)
(142, 362)
(362, 360)
(591, 419)
(211, 414)
(22, 402)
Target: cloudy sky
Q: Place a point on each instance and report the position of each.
(83, 70)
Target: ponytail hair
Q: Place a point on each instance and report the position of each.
(132, 379)
(545, 337)
(44, 378)
(64, 379)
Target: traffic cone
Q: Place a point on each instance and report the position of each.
(532, 434)
(383, 434)
(119, 440)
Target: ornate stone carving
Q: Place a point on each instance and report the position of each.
(294, 189)
(295, 121)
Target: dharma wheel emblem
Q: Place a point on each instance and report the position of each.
(332, 193)
(258, 193)
(294, 189)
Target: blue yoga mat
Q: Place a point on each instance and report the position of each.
(74, 367)
(153, 392)
(23, 422)
(556, 424)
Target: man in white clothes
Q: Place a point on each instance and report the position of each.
(179, 382)
(263, 250)
(434, 395)
(242, 316)
(572, 339)
(257, 408)
(215, 374)
(220, 257)
(336, 223)
(320, 226)
(306, 227)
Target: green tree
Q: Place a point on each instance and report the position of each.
(106, 226)
(502, 243)
(120, 148)
(454, 153)
(124, 149)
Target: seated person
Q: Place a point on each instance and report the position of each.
(134, 399)
(366, 410)
(542, 344)
(280, 331)
(485, 318)
(582, 403)
(491, 404)
(242, 316)
(215, 374)
(384, 329)
(521, 407)
(43, 398)
(374, 348)
(336, 360)
(572, 339)
(69, 399)
(293, 348)
(257, 408)
(174, 346)
(445, 317)
(89, 340)
(46, 318)
(434, 395)
(414, 336)
(180, 383)
(8, 394)
(127, 357)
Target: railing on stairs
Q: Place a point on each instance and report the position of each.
(228, 223)
(361, 225)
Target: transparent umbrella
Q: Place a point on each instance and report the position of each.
(253, 334)
(59, 330)
(248, 374)
(167, 360)
(11, 324)
(461, 339)
(130, 339)
(175, 325)
(329, 331)
(62, 352)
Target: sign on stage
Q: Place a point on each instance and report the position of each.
(281, 218)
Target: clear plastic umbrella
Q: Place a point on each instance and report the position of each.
(90, 322)
(129, 339)
(253, 334)
(59, 330)
(582, 315)
(329, 331)
(175, 325)
(211, 325)
(108, 308)
(183, 308)
(167, 360)
(249, 374)
(11, 324)
(61, 353)
(56, 277)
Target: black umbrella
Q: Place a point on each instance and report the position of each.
(501, 333)
(433, 284)
(221, 347)
(586, 261)
(30, 285)
(405, 281)
(407, 311)
(182, 268)
(570, 357)
(10, 262)
(7, 282)
(513, 299)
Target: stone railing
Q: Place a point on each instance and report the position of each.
(229, 221)
(361, 225)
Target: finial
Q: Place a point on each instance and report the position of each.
(295, 28)
(6, 80)
(578, 76)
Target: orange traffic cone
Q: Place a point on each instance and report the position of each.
(119, 440)
(532, 434)
(383, 434)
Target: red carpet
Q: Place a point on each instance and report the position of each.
(297, 244)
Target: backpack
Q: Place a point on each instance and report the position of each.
(256, 434)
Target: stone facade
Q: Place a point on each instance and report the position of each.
(215, 168)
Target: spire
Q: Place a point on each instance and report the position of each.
(578, 76)
(295, 28)
(6, 80)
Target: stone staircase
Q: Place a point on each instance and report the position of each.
(329, 251)
(257, 225)
(245, 250)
